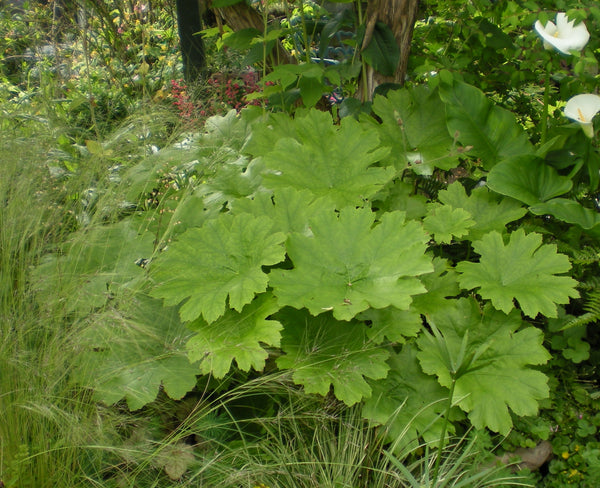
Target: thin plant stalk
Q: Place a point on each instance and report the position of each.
(546, 103)
(442, 443)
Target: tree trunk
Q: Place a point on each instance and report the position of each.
(400, 16)
(192, 47)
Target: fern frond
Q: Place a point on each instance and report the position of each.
(585, 256)
(592, 312)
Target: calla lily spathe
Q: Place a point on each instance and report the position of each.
(564, 36)
(582, 108)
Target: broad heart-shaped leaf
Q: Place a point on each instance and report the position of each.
(490, 356)
(413, 125)
(523, 270)
(238, 336)
(489, 210)
(527, 179)
(324, 352)
(328, 160)
(382, 52)
(443, 222)
(493, 132)
(409, 402)
(221, 259)
(571, 212)
(133, 351)
(348, 265)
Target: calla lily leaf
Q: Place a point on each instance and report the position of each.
(527, 179)
(571, 212)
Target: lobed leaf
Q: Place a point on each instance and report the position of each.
(239, 336)
(440, 284)
(133, 351)
(222, 259)
(408, 402)
(524, 269)
(415, 129)
(324, 353)
(332, 161)
(488, 353)
(443, 222)
(488, 210)
(288, 208)
(348, 265)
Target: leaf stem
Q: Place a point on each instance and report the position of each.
(442, 442)
(546, 102)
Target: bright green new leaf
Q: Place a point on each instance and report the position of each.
(348, 265)
(527, 179)
(523, 270)
(443, 222)
(241, 39)
(488, 353)
(133, 351)
(327, 160)
(489, 210)
(492, 131)
(312, 89)
(415, 128)
(222, 259)
(239, 336)
(409, 402)
(323, 352)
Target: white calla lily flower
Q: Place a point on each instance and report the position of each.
(582, 109)
(564, 36)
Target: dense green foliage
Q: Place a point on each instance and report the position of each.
(235, 300)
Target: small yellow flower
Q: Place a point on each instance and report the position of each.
(565, 455)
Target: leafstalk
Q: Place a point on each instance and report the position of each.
(546, 102)
(304, 33)
(442, 442)
(365, 87)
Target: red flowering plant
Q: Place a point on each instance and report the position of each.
(221, 93)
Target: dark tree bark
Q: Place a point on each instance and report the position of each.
(189, 22)
(400, 16)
